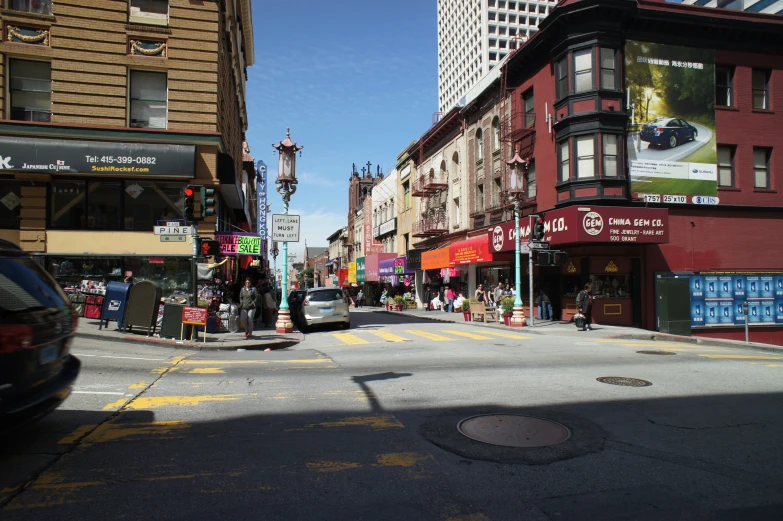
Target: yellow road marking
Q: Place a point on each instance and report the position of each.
(152, 402)
(773, 365)
(744, 357)
(506, 335)
(348, 338)
(376, 423)
(256, 362)
(206, 370)
(468, 335)
(331, 466)
(140, 385)
(400, 459)
(391, 337)
(425, 334)
(115, 431)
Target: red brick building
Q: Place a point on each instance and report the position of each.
(565, 104)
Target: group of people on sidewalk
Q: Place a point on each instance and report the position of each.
(442, 299)
(252, 299)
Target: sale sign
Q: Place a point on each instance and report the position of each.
(233, 244)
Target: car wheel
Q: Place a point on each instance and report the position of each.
(672, 141)
(695, 133)
(346, 325)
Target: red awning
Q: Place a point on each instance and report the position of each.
(469, 251)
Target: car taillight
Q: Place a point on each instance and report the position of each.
(660, 129)
(306, 301)
(15, 337)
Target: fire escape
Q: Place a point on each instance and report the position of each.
(433, 188)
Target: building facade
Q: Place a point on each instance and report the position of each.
(108, 114)
(385, 204)
(359, 188)
(475, 35)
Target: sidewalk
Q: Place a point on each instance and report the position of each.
(602, 332)
(264, 338)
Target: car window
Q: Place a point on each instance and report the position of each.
(24, 285)
(326, 295)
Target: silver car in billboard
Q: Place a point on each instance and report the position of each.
(325, 306)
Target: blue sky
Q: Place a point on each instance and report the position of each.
(355, 80)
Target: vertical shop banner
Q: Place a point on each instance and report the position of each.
(351, 272)
(360, 267)
(671, 147)
(261, 195)
(370, 244)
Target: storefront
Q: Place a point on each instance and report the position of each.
(395, 276)
(372, 284)
(482, 263)
(438, 271)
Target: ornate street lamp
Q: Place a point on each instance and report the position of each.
(516, 192)
(286, 186)
(274, 251)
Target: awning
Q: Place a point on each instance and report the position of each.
(475, 249)
(435, 259)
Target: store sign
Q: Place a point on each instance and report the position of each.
(351, 272)
(606, 224)
(360, 269)
(372, 265)
(388, 226)
(471, 250)
(414, 259)
(285, 228)
(503, 237)
(261, 191)
(435, 259)
(195, 316)
(60, 156)
(233, 244)
(672, 150)
(370, 244)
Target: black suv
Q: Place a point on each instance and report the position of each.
(36, 327)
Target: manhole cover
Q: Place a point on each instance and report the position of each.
(656, 353)
(621, 380)
(513, 430)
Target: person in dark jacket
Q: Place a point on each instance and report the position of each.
(427, 298)
(584, 302)
(247, 306)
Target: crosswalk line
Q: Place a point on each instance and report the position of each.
(744, 357)
(468, 335)
(430, 336)
(348, 338)
(391, 337)
(506, 335)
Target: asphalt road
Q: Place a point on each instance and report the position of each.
(664, 153)
(362, 425)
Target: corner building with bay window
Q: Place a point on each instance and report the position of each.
(633, 208)
(109, 110)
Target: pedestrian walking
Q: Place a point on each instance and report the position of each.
(480, 295)
(445, 299)
(247, 305)
(499, 292)
(584, 303)
(451, 295)
(546, 306)
(360, 298)
(427, 298)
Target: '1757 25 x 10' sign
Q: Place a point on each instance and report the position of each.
(285, 228)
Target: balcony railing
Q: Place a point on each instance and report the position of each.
(430, 183)
(430, 226)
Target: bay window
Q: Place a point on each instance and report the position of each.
(585, 156)
(583, 70)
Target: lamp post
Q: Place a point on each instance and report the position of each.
(516, 192)
(274, 251)
(286, 186)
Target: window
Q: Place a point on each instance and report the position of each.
(760, 89)
(565, 164)
(495, 134)
(148, 94)
(608, 68)
(583, 70)
(147, 202)
(496, 187)
(610, 155)
(68, 206)
(11, 197)
(406, 188)
(456, 218)
(724, 80)
(31, 90)
(726, 165)
(104, 205)
(561, 76)
(479, 145)
(155, 12)
(480, 198)
(530, 111)
(761, 167)
(585, 157)
(531, 179)
(32, 6)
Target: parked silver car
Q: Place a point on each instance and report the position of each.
(325, 306)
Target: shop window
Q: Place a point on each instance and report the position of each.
(761, 89)
(530, 110)
(148, 95)
(155, 12)
(565, 161)
(724, 86)
(68, 204)
(585, 156)
(608, 69)
(30, 87)
(11, 203)
(583, 70)
(104, 205)
(147, 202)
(561, 76)
(495, 134)
(761, 157)
(611, 153)
(726, 165)
(31, 6)
(531, 180)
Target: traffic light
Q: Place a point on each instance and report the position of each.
(190, 203)
(544, 258)
(560, 258)
(537, 232)
(207, 202)
(210, 248)
(551, 258)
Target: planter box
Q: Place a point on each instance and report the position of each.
(466, 314)
(507, 320)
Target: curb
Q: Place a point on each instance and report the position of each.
(525, 329)
(718, 342)
(197, 346)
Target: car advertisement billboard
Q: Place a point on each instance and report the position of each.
(671, 148)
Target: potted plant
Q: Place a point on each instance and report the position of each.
(466, 309)
(507, 307)
(399, 302)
